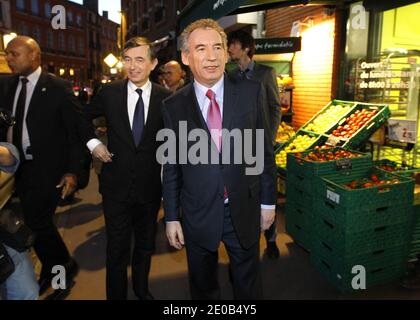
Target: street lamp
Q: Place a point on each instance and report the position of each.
(110, 60)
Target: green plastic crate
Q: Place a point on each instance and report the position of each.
(319, 141)
(381, 256)
(332, 189)
(342, 279)
(298, 225)
(362, 218)
(306, 173)
(401, 170)
(369, 239)
(326, 108)
(364, 133)
(360, 137)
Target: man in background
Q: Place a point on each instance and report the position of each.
(241, 48)
(173, 75)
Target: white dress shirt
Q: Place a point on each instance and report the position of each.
(30, 86)
(132, 98)
(204, 103)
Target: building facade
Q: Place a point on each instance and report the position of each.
(154, 19)
(75, 52)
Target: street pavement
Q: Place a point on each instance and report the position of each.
(289, 277)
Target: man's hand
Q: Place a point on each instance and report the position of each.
(68, 183)
(101, 153)
(174, 234)
(267, 218)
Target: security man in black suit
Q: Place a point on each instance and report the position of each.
(46, 134)
(130, 181)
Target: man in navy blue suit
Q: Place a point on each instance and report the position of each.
(220, 201)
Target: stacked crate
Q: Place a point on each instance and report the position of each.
(323, 132)
(406, 171)
(302, 180)
(369, 227)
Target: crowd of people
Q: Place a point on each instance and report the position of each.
(204, 204)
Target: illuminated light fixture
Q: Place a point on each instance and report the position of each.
(103, 81)
(71, 71)
(119, 65)
(62, 71)
(8, 37)
(296, 30)
(110, 60)
(113, 70)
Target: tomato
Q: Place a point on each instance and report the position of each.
(374, 177)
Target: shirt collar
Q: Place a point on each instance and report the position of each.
(34, 76)
(249, 67)
(147, 87)
(201, 90)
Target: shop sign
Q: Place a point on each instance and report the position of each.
(277, 45)
(402, 130)
(379, 75)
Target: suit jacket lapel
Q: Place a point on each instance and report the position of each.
(195, 111)
(40, 93)
(11, 92)
(121, 100)
(230, 97)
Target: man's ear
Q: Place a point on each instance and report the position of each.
(154, 63)
(184, 57)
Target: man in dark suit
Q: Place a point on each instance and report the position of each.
(130, 181)
(241, 48)
(220, 201)
(46, 134)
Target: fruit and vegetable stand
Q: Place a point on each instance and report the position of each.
(346, 212)
(342, 207)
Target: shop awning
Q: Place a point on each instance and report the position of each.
(216, 9)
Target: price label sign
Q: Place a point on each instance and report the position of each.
(334, 197)
(402, 130)
(343, 164)
(333, 141)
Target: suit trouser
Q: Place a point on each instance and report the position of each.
(122, 219)
(39, 202)
(244, 265)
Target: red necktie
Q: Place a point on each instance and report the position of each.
(214, 120)
(214, 123)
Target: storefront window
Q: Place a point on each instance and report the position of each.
(50, 40)
(34, 7)
(387, 71)
(20, 5)
(47, 10)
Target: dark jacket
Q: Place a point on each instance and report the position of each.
(53, 121)
(267, 77)
(198, 189)
(131, 165)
